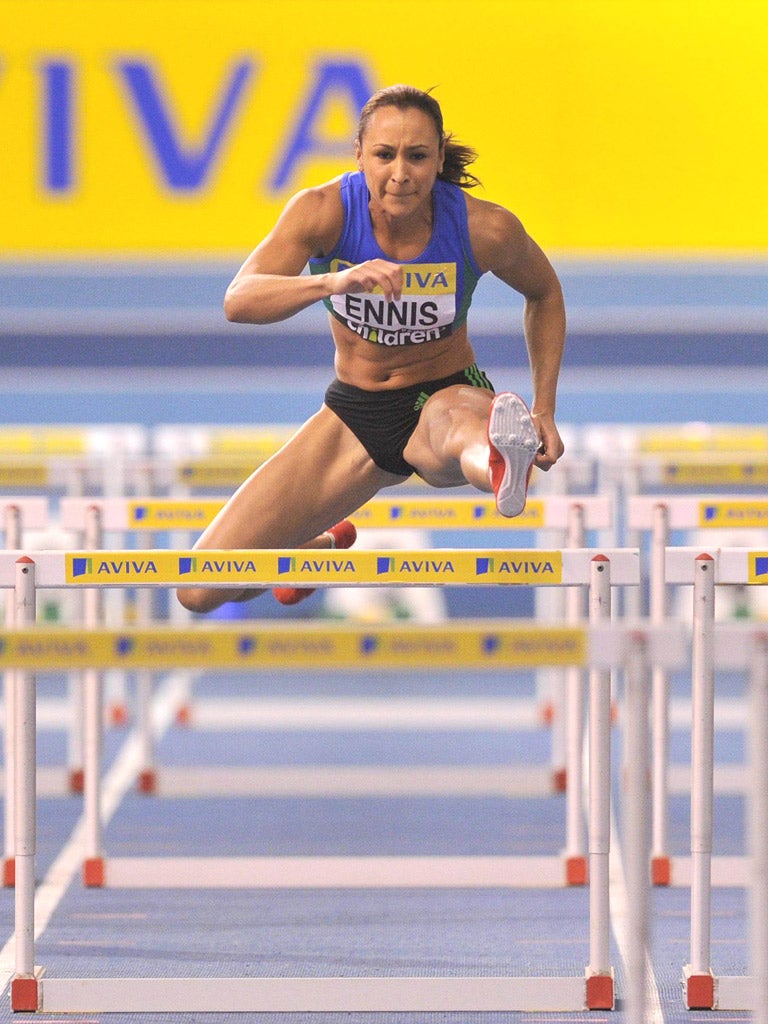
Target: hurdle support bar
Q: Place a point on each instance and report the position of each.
(707, 991)
(320, 995)
(333, 872)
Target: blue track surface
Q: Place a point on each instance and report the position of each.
(205, 933)
(712, 377)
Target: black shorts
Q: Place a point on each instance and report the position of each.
(383, 421)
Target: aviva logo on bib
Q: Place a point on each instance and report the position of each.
(425, 311)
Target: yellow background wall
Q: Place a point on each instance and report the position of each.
(607, 125)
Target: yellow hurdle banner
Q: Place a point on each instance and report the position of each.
(44, 441)
(405, 646)
(707, 440)
(226, 471)
(758, 567)
(313, 568)
(709, 471)
(431, 514)
(428, 513)
(424, 513)
(21, 472)
(739, 514)
(171, 514)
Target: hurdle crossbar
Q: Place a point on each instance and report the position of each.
(427, 513)
(302, 567)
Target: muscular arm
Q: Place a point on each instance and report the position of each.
(270, 285)
(502, 246)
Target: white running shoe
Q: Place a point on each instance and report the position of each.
(514, 443)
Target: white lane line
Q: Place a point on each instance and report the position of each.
(620, 926)
(171, 695)
(619, 904)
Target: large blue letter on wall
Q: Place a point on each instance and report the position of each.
(183, 168)
(58, 126)
(346, 79)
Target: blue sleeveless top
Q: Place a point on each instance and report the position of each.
(438, 284)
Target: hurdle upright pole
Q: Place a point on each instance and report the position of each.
(700, 993)
(636, 830)
(93, 699)
(26, 784)
(575, 613)
(758, 825)
(12, 542)
(145, 682)
(599, 973)
(658, 607)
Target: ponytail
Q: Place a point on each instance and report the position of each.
(457, 158)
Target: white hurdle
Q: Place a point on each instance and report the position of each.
(758, 825)
(582, 567)
(658, 515)
(570, 516)
(638, 648)
(19, 513)
(727, 647)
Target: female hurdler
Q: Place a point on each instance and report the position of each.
(395, 250)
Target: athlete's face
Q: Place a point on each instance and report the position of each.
(400, 155)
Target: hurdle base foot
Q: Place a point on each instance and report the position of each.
(600, 992)
(76, 780)
(94, 873)
(699, 989)
(147, 782)
(559, 780)
(26, 993)
(576, 870)
(184, 715)
(118, 715)
(661, 871)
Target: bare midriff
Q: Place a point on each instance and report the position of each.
(375, 367)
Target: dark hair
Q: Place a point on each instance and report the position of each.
(457, 156)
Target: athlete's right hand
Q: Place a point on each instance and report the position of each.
(368, 277)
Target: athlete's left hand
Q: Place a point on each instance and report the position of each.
(552, 446)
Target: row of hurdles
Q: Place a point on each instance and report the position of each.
(571, 522)
(120, 459)
(596, 647)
